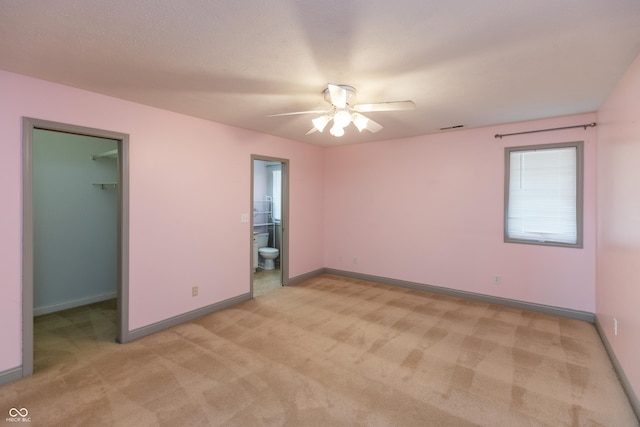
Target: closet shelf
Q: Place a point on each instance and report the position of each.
(263, 224)
(104, 185)
(112, 154)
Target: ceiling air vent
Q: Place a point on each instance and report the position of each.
(452, 127)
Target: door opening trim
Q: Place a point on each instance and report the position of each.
(284, 254)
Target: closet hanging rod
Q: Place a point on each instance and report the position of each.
(110, 153)
(585, 126)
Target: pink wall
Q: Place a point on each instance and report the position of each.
(430, 210)
(618, 268)
(425, 209)
(190, 181)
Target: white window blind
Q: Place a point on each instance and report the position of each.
(542, 195)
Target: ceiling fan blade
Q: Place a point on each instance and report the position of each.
(298, 112)
(312, 130)
(338, 96)
(385, 106)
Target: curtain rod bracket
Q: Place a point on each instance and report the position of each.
(584, 126)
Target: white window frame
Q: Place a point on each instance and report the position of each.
(579, 146)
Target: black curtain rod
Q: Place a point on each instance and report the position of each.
(585, 126)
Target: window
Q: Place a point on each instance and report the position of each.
(543, 194)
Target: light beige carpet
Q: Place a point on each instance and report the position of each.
(328, 352)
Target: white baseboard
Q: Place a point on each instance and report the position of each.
(39, 311)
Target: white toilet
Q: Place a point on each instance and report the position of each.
(266, 253)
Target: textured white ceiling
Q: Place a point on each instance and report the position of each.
(467, 62)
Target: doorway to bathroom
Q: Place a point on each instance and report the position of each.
(269, 224)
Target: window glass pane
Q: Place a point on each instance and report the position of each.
(542, 195)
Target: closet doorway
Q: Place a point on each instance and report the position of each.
(269, 224)
(75, 224)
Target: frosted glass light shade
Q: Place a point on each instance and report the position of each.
(342, 118)
(360, 122)
(336, 130)
(320, 122)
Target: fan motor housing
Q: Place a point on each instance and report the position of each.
(351, 93)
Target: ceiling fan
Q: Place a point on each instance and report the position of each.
(343, 112)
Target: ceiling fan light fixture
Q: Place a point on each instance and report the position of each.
(342, 118)
(343, 110)
(360, 121)
(336, 130)
(320, 122)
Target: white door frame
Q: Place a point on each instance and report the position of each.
(28, 126)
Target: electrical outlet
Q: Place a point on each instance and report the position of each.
(194, 291)
(244, 217)
(615, 326)
(497, 279)
(355, 260)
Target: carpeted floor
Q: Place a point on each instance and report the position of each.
(330, 351)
